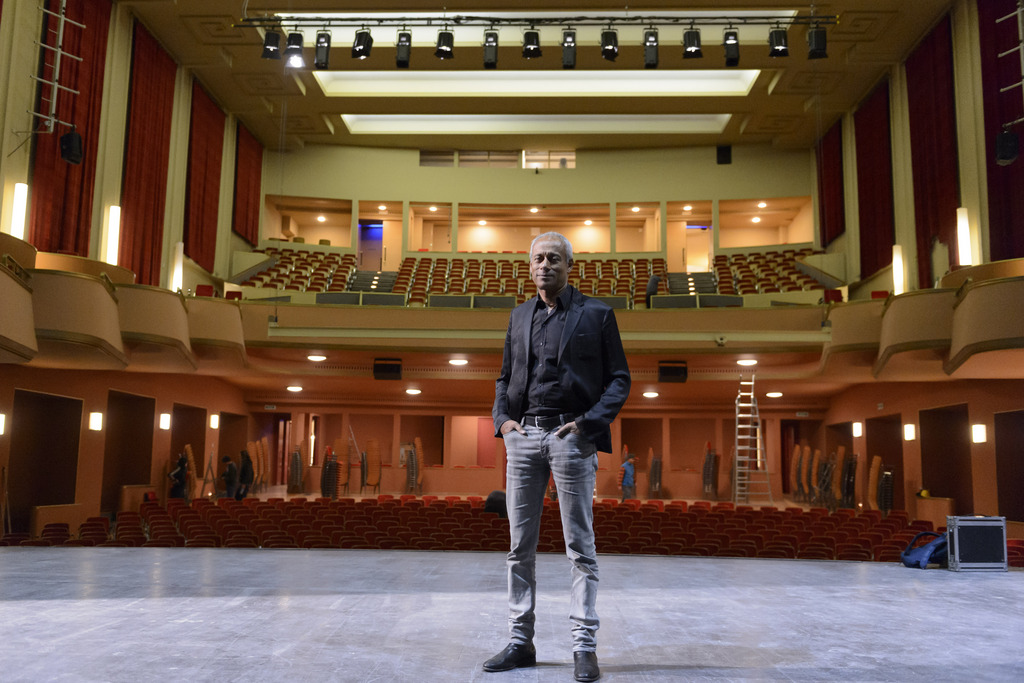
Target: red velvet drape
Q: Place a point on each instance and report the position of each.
(205, 151)
(874, 181)
(248, 173)
(831, 202)
(61, 212)
(1005, 183)
(147, 152)
(932, 109)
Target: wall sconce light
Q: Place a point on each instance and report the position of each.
(165, 421)
(178, 267)
(978, 433)
(3, 424)
(909, 432)
(19, 211)
(858, 430)
(215, 421)
(96, 421)
(113, 237)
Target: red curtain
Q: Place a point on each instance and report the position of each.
(248, 173)
(147, 152)
(61, 213)
(831, 203)
(874, 181)
(1005, 183)
(932, 110)
(205, 151)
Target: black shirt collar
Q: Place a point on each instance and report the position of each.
(563, 301)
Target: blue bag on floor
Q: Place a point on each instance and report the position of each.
(932, 552)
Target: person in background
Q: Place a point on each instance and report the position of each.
(563, 380)
(230, 477)
(246, 475)
(628, 483)
(180, 478)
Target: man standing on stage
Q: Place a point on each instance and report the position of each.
(563, 380)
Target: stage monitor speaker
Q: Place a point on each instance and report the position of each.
(724, 154)
(387, 368)
(976, 543)
(71, 147)
(1007, 147)
(672, 371)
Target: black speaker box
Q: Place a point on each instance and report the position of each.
(725, 154)
(71, 147)
(976, 543)
(387, 368)
(1007, 147)
(672, 371)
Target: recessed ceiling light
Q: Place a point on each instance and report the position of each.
(687, 208)
(413, 392)
(481, 222)
(316, 358)
(458, 361)
(774, 394)
(295, 388)
(534, 209)
(321, 219)
(588, 222)
(433, 208)
(761, 205)
(650, 394)
(382, 207)
(746, 362)
(756, 219)
(636, 209)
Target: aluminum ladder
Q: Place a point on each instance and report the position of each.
(750, 470)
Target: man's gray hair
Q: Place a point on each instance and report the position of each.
(558, 237)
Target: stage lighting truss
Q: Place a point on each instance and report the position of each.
(651, 48)
(274, 24)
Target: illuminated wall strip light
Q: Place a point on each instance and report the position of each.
(178, 267)
(899, 283)
(113, 236)
(3, 424)
(963, 238)
(19, 210)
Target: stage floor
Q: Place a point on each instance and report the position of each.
(191, 614)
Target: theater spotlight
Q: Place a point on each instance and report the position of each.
(691, 44)
(403, 49)
(816, 42)
(490, 49)
(272, 45)
(322, 53)
(362, 45)
(293, 52)
(651, 48)
(445, 44)
(531, 44)
(610, 44)
(568, 49)
(778, 42)
(731, 43)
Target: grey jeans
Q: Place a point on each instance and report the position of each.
(573, 462)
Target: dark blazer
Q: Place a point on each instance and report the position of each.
(591, 364)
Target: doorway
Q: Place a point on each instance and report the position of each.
(371, 245)
(946, 456)
(883, 436)
(128, 451)
(1009, 441)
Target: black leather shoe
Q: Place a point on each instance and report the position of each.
(515, 655)
(586, 666)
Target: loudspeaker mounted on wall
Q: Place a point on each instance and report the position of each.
(71, 147)
(672, 371)
(724, 154)
(1007, 147)
(387, 368)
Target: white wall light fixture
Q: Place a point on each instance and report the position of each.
(165, 421)
(215, 421)
(858, 430)
(978, 433)
(899, 283)
(113, 235)
(19, 211)
(909, 432)
(965, 254)
(96, 421)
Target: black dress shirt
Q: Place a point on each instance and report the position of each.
(544, 395)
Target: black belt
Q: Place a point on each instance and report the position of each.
(547, 423)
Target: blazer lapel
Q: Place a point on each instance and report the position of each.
(572, 318)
